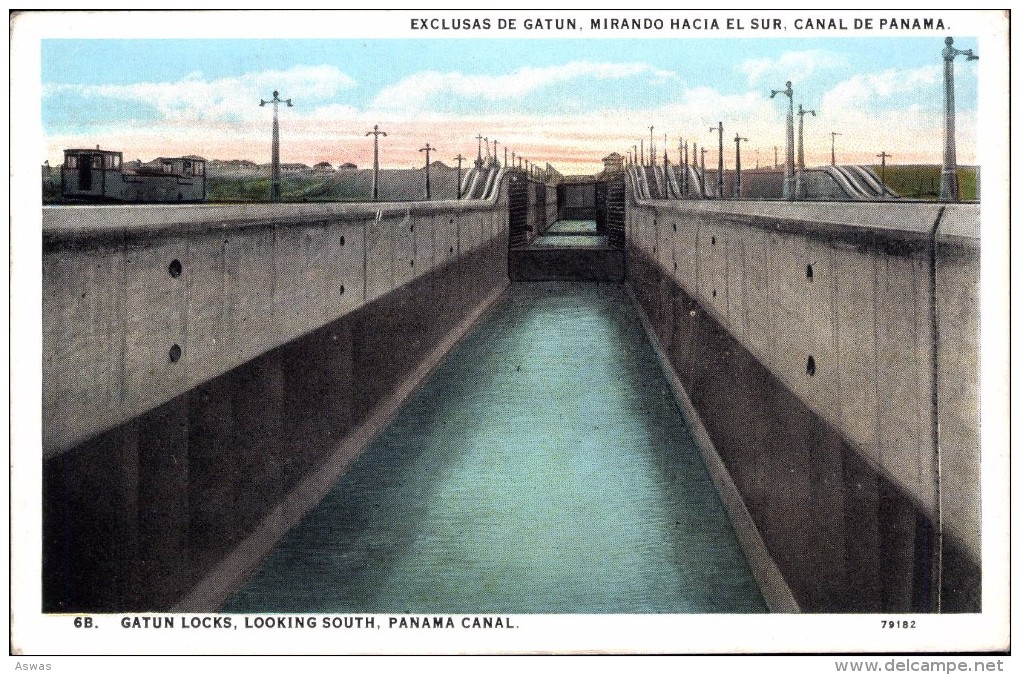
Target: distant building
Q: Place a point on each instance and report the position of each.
(101, 175)
(613, 162)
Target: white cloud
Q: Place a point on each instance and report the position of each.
(791, 65)
(412, 92)
(194, 97)
(860, 90)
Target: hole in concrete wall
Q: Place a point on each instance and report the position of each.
(342, 242)
(341, 290)
(674, 227)
(713, 292)
(175, 268)
(810, 272)
(175, 353)
(412, 263)
(713, 241)
(412, 227)
(811, 365)
(451, 249)
(674, 267)
(655, 249)
(451, 221)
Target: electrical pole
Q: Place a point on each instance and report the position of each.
(737, 140)
(428, 184)
(788, 186)
(460, 158)
(883, 155)
(276, 101)
(800, 149)
(834, 134)
(704, 151)
(375, 161)
(719, 181)
(949, 188)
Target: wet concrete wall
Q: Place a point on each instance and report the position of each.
(299, 329)
(832, 351)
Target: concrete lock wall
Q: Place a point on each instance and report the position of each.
(843, 358)
(209, 371)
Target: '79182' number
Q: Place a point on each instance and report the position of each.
(899, 623)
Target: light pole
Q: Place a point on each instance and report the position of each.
(478, 162)
(788, 186)
(834, 134)
(737, 140)
(642, 152)
(883, 155)
(949, 189)
(719, 181)
(687, 161)
(800, 149)
(495, 151)
(651, 146)
(695, 164)
(704, 151)
(460, 158)
(276, 101)
(428, 184)
(375, 161)
(775, 156)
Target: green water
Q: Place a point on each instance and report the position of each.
(543, 468)
(572, 227)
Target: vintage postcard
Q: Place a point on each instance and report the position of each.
(511, 332)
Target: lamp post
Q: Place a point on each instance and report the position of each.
(695, 165)
(834, 134)
(800, 149)
(883, 155)
(460, 158)
(651, 146)
(737, 140)
(704, 151)
(642, 152)
(788, 186)
(775, 156)
(375, 161)
(495, 151)
(686, 164)
(949, 188)
(478, 162)
(428, 184)
(504, 154)
(719, 181)
(276, 101)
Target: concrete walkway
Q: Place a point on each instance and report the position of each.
(543, 468)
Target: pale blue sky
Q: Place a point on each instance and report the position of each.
(94, 90)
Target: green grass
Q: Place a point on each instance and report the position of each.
(922, 181)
